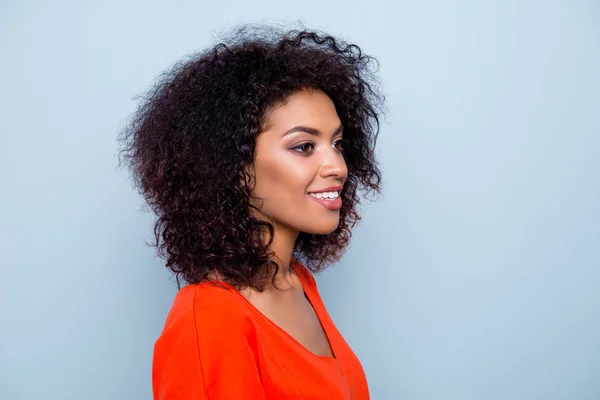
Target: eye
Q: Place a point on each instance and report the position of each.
(304, 148)
(339, 145)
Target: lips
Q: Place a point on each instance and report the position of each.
(332, 205)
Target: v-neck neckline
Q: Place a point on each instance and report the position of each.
(317, 310)
(318, 313)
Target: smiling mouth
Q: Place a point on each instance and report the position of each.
(330, 200)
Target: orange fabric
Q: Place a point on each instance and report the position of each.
(216, 346)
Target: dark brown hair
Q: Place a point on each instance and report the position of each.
(188, 144)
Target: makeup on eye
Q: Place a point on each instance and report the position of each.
(304, 145)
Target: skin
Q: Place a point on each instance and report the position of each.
(286, 168)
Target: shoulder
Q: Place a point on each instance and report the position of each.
(205, 309)
(209, 336)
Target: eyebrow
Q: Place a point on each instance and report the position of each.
(312, 131)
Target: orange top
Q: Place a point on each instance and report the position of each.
(216, 345)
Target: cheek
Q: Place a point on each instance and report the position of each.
(282, 179)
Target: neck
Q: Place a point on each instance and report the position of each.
(283, 246)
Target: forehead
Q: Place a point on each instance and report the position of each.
(305, 107)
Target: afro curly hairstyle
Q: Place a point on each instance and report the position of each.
(189, 142)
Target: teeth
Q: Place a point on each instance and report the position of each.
(326, 195)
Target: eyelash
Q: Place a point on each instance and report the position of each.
(313, 145)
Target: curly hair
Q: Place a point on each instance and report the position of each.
(189, 142)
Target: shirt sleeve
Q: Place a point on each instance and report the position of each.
(208, 352)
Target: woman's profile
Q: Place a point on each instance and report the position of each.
(253, 155)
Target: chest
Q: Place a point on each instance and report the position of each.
(296, 317)
(297, 347)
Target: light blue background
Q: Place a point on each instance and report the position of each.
(476, 275)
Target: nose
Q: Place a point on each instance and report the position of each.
(333, 165)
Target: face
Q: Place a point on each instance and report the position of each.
(298, 165)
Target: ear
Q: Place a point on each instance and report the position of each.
(248, 177)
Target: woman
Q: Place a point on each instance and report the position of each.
(252, 154)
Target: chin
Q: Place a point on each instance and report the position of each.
(322, 228)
